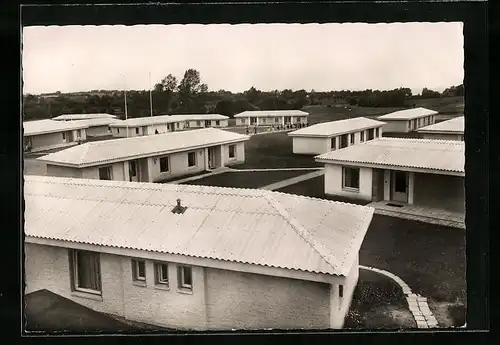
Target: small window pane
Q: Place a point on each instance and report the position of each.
(231, 151)
(163, 164)
(191, 159)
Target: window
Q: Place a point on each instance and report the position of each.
(341, 290)
(376, 132)
(137, 130)
(118, 130)
(232, 149)
(138, 270)
(186, 124)
(462, 138)
(352, 138)
(177, 125)
(164, 164)
(351, 178)
(191, 159)
(156, 131)
(217, 122)
(343, 141)
(370, 134)
(185, 277)
(64, 135)
(161, 274)
(105, 173)
(276, 119)
(132, 168)
(333, 142)
(362, 136)
(85, 271)
(198, 123)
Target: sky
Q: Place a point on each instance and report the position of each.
(323, 57)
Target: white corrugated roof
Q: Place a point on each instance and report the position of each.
(442, 155)
(408, 114)
(106, 151)
(65, 117)
(331, 128)
(455, 125)
(98, 121)
(50, 126)
(249, 226)
(164, 119)
(267, 113)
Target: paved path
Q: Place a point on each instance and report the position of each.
(209, 173)
(276, 169)
(293, 180)
(417, 304)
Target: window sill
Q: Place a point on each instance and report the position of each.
(185, 291)
(139, 283)
(349, 189)
(163, 287)
(87, 295)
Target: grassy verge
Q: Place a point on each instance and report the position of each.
(251, 179)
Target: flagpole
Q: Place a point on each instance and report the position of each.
(150, 95)
(125, 94)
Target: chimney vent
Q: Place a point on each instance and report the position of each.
(179, 209)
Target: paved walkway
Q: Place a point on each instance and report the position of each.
(209, 173)
(293, 180)
(423, 214)
(275, 169)
(417, 304)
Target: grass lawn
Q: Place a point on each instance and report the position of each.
(273, 150)
(250, 179)
(321, 113)
(46, 311)
(378, 302)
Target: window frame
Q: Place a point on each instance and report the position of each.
(377, 132)
(167, 159)
(195, 159)
(351, 139)
(135, 271)
(181, 278)
(333, 143)
(165, 282)
(217, 122)
(341, 291)
(136, 130)
(362, 136)
(345, 169)
(73, 258)
(109, 169)
(233, 147)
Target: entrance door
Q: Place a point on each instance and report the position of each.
(211, 158)
(133, 171)
(253, 120)
(399, 186)
(208, 123)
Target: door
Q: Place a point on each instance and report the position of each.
(133, 171)
(208, 123)
(211, 157)
(253, 120)
(378, 185)
(399, 186)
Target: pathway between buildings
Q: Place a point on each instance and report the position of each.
(293, 180)
(417, 304)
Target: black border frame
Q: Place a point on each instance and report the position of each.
(474, 14)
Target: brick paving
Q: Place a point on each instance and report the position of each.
(417, 304)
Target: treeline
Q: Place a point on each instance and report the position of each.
(191, 95)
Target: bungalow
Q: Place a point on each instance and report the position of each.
(404, 121)
(447, 130)
(166, 123)
(193, 257)
(423, 172)
(149, 158)
(326, 136)
(71, 117)
(271, 118)
(98, 127)
(42, 135)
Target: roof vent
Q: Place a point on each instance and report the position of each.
(179, 209)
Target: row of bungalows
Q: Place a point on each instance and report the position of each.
(271, 118)
(327, 136)
(149, 158)
(98, 124)
(193, 257)
(42, 135)
(402, 171)
(452, 129)
(166, 123)
(408, 120)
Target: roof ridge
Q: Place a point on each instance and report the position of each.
(302, 232)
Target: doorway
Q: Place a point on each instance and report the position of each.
(399, 186)
(133, 171)
(211, 158)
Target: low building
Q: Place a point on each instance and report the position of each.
(193, 257)
(72, 117)
(271, 118)
(327, 136)
(409, 120)
(452, 129)
(149, 158)
(98, 127)
(429, 173)
(43, 135)
(149, 125)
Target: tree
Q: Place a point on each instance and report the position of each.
(203, 88)
(426, 93)
(167, 84)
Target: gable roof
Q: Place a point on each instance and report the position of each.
(267, 113)
(164, 119)
(408, 114)
(116, 150)
(250, 226)
(326, 129)
(428, 154)
(66, 117)
(50, 126)
(455, 125)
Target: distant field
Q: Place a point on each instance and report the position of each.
(323, 113)
(446, 105)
